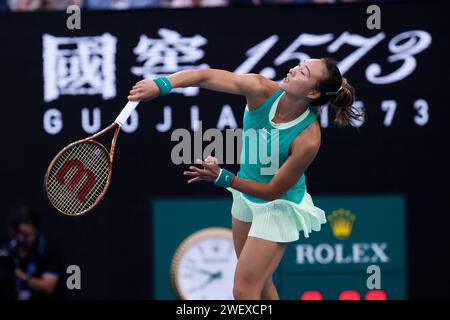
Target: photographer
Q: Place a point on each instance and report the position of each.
(7, 278)
(35, 270)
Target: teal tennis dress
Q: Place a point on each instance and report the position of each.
(265, 147)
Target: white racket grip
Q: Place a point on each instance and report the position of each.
(126, 112)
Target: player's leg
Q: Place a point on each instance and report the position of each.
(269, 291)
(240, 233)
(258, 260)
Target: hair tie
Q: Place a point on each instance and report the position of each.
(331, 93)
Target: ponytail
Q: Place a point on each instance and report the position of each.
(338, 94)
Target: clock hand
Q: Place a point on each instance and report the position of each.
(212, 277)
(210, 273)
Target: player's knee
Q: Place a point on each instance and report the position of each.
(246, 287)
(238, 292)
(245, 292)
(244, 279)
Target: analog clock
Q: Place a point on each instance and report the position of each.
(203, 266)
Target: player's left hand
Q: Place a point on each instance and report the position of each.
(210, 170)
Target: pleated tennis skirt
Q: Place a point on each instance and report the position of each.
(279, 220)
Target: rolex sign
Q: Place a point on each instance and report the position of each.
(363, 234)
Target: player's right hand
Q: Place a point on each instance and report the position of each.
(144, 90)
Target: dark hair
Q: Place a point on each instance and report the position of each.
(342, 101)
(26, 215)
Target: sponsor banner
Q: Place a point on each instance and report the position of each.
(361, 231)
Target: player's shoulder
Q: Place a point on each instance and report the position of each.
(310, 137)
(269, 87)
(265, 89)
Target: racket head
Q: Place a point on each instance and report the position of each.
(78, 177)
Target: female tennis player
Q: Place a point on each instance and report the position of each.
(269, 210)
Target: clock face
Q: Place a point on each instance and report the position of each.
(205, 269)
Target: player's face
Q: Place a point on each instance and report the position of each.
(302, 80)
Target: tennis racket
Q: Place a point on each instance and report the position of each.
(79, 175)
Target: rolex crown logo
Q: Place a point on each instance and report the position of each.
(341, 222)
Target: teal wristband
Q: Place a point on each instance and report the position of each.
(163, 84)
(224, 179)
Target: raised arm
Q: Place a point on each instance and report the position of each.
(253, 86)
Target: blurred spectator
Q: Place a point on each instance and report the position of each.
(272, 2)
(61, 4)
(195, 3)
(25, 5)
(33, 5)
(247, 2)
(35, 269)
(121, 4)
(3, 6)
(7, 277)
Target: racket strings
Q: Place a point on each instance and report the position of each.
(96, 168)
(74, 196)
(61, 192)
(78, 177)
